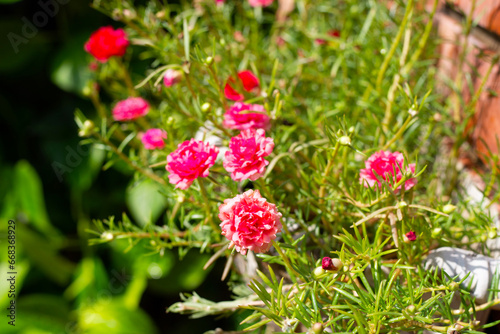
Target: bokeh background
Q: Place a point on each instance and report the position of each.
(52, 187)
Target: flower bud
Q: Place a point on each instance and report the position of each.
(209, 60)
(455, 329)
(330, 264)
(409, 312)
(345, 141)
(317, 328)
(318, 271)
(449, 208)
(454, 286)
(492, 234)
(107, 236)
(413, 110)
(410, 237)
(171, 77)
(87, 128)
(436, 232)
(402, 205)
(86, 91)
(205, 107)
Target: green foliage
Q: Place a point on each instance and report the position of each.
(340, 81)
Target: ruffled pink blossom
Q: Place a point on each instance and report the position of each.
(249, 222)
(260, 3)
(249, 82)
(153, 138)
(130, 109)
(243, 116)
(245, 158)
(171, 77)
(383, 164)
(106, 42)
(191, 160)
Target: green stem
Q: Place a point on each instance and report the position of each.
(126, 77)
(328, 168)
(144, 172)
(390, 54)
(399, 133)
(293, 274)
(208, 212)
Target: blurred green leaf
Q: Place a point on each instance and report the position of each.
(29, 195)
(44, 256)
(90, 280)
(8, 1)
(186, 275)
(111, 316)
(70, 70)
(39, 313)
(145, 202)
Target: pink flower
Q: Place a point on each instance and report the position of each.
(326, 263)
(191, 160)
(171, 77)
(260, 3)
(249, 82)
(331, 33)
(153, 138)
(106, 42)
(130, 109)
(219, 2)
(243, 116)
(245, 158)
(384, 163)
(249, 222)
(410, 236)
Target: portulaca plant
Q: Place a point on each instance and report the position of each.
(299, 142)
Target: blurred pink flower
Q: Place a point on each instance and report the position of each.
(249, 222)
(171, 77)
(249, 82)
(331, 33)
(153, 138)
(106, 42)
(245, 158)
(384, 163)
(130, 109)
(411, 236)
(243, 116)
(191, 160)
(262, 3)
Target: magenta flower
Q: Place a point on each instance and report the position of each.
(191, 160)
(245, 158)
(249, 222)
(384, 163)
(106, 42)
(171, 77)
(130, 109)
(326, 263)
(242, 116)
(411, 236)
(249, 82)
(153, 138)
(260, 3)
